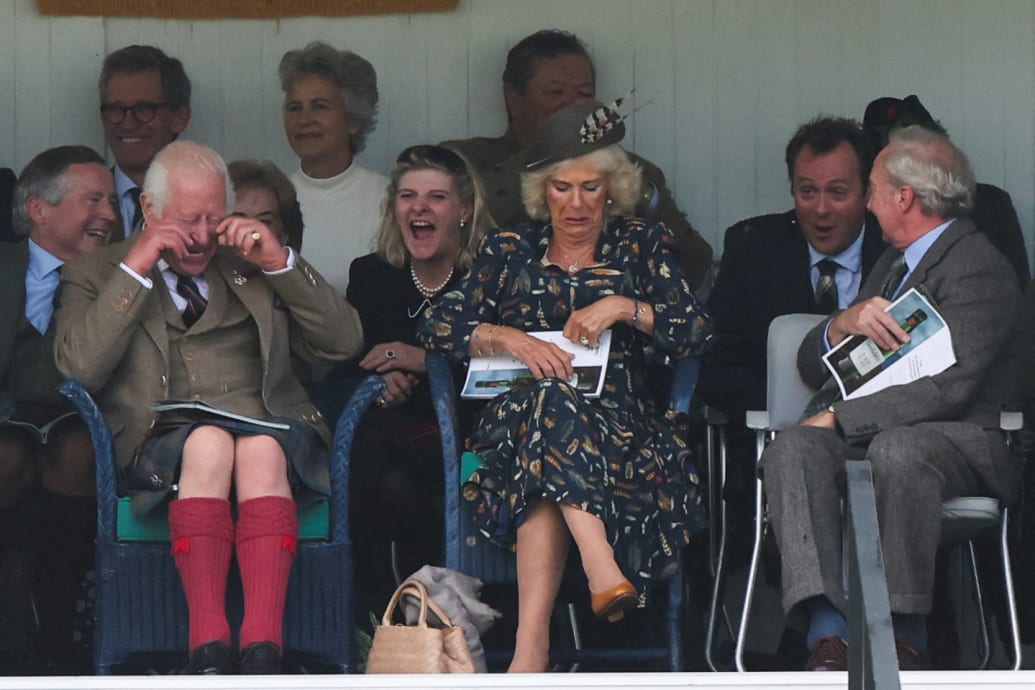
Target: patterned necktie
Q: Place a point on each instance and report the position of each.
(894, 279)
(196, 304)
(137, 213)
(826, 286)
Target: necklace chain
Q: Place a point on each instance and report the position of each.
(424, 289)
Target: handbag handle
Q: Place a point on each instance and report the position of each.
(416, 589)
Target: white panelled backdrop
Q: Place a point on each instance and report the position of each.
(727, 80)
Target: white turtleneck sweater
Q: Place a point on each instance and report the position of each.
(342, 215)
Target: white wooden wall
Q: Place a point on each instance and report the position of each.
(729, 80)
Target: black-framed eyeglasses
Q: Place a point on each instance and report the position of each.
(143, 111)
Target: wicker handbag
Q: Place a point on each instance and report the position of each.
(418, 648)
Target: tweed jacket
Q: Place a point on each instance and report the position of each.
(499, 163)
(113, 337)
(764, 274)
(975, 290)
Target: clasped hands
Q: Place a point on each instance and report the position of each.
(398, 364)
(869, 319)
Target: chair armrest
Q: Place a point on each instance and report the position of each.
(344, 434)
(104, 455)
(684, 383)
(443, 399)
(757, 420)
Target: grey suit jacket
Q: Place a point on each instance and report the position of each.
(112, 335)
(975, 289)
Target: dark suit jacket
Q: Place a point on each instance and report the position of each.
(764, 274)
(976, 293)
(113, 337)
(995, 216)
(14, 262)
(499, 163)
(7, 180)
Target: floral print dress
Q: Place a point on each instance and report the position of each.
(617, 457)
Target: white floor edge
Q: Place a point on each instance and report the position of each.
(916, 680)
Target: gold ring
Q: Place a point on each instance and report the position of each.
(256, 236)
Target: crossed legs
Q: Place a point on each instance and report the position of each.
(543, 540)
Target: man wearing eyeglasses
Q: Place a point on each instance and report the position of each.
(145, 104)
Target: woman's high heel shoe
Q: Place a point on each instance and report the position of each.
(613, 603)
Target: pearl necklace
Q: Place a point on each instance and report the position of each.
(423, 289)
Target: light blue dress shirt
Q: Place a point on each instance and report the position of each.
(123, 187)
(41, 280)
(848, 276)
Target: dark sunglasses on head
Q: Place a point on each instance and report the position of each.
(441, 156)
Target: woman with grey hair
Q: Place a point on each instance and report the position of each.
(330, 106)
(609, 474)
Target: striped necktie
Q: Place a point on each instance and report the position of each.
(196, 303)
(896, 272)
(826, 286)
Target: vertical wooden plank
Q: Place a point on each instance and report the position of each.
(446, 75)
(8, 55)
(737, 35)
(76, 46)
(695, 107)
(240, 81)
(405, 86)
(32, 77)
(858, 65)
(277, 39)
(779, 63)
(651, 131)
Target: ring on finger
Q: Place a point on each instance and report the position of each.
(380, 401)
(584, 340)
(256, 236)
(389, 354)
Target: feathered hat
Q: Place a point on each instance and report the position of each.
(574, 131)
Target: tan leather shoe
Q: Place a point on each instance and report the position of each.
(830, 653)
(613, 603)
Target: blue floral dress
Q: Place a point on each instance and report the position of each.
(617, 457)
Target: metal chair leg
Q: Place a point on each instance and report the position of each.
(719, 554)
(1011, 600)
(979, 599)
(756, 554)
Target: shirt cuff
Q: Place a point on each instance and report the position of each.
(143, 280)
(290, 264)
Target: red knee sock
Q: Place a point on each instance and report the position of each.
(202, 536)
(267, 535)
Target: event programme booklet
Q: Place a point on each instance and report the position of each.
(200, 408)
(860, 367)
(487, 377)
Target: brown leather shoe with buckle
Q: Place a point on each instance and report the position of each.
(910, 658)
(830, 653)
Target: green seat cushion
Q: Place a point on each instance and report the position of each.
(313, 522)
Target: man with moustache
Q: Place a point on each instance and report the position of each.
(145, 104)
(201, 305)
(63, 207)
(545, 72)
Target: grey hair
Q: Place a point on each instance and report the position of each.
(182, 156)
(44, 178)
(938, 172)
(349, 72)
(622, 176)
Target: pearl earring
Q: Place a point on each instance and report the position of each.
(463, 223)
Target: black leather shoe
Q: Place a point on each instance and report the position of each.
(211, 658)
(260, 658)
